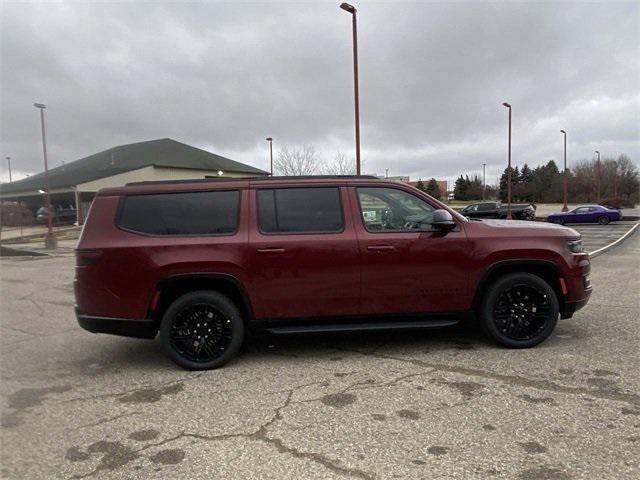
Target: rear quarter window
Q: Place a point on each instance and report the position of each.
(189, 213)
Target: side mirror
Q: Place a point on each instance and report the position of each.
(442, 220)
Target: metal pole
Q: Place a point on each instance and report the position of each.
(356, 91)
(598, 177)
(484, 180)
(509, 167)
(270, 140)
(565, 208)
(49, 239)
(356, 94)
(9, 162)
(386, 173)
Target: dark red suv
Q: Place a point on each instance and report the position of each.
(203, 261)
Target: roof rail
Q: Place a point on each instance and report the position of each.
(212, 179)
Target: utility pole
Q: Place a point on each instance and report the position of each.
(565, 208)
(49, 239)
(356, 94)
(270, 140)
(484, 180)
(9, 162)
(509, 166)
(598, 177)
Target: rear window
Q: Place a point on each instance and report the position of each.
(295, 210)
(192, 213)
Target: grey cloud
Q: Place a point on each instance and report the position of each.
(225, 75)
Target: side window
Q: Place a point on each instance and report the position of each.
(189, 213)
(484, 207)
(472, 208)
(299, 210)
(389, 209)
(582, 210)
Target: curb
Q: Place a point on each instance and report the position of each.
(602, 250)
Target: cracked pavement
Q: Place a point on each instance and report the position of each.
(430, 404)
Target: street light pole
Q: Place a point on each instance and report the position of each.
(9, 162)
(49, 239)
(270, 140)
(598, 176)
(352, 10)
(565, 208)
(484, 179)
(509, 166)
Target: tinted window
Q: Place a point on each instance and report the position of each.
(193, 213)
(486, 206)
(292, 210)
(385, 209)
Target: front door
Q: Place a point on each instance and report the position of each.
(407, 265)
(304, 254)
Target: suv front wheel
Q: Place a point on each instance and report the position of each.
(519, 310)
(201, 330)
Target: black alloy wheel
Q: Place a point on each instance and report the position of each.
(201, 330)
(602, 220)
(520, 310)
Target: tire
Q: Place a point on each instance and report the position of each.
(517, 324)
(560, 221)
(602, 220)
(196, 315)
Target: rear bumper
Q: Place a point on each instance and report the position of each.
(117, 326)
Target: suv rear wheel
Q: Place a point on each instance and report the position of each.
(519, 310)
(201, 330)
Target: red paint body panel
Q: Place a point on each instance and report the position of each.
(314, 275)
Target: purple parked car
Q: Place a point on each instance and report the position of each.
(586, 214)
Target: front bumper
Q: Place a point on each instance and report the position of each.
(567, 309)
(118, 326)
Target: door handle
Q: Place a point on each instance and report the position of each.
(271, 250)
(380, 248)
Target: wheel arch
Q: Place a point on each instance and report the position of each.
(544, 269)
(173, 286)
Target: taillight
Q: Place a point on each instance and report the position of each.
(87, 257)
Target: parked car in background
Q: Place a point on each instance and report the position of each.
(586, 214)
(201, 262)
(61, 214)
(519, 211)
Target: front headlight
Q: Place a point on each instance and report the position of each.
(575, 245)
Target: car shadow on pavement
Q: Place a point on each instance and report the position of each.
(463, 336)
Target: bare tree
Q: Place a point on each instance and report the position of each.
(340, 165)
(297, 161)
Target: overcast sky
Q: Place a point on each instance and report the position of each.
(224, 75)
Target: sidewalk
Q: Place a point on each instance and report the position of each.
(11, 234)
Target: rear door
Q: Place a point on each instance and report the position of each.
(304, 254)
(407, 266)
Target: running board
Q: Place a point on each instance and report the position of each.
(361, 326)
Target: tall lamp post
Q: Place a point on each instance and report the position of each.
(484, 179)
(598, 176)
(9, 162)
(270, 140)
(356, 95)
(49, 239)
(509, 166)
(564, 176)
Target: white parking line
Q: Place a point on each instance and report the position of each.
(611, 245)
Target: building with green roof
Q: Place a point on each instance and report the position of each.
(75, 183)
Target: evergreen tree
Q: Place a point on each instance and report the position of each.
(433, 189)
(460, 189)
(526, 175)
(502, 193)
(420, 185)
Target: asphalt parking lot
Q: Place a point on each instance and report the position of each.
(432, 404)
(596, 236)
